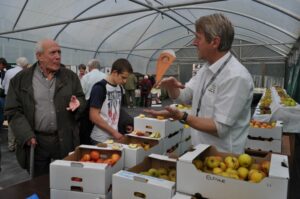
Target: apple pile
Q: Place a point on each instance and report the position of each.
(241, 167)
(183, 106)
(163, 173)
(264, 103)
(143, 145)
(147, 134)
(259, 124)
(159, 117)
(285, 98)
(95, 157)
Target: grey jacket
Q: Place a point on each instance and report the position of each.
(19, 108)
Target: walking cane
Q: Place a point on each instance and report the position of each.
(31, 166)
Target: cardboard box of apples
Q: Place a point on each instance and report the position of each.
(266, 129)
(218, 175)
(156, 126)
(88, 169)
(265, 136)
(152, 179)
(137, 148)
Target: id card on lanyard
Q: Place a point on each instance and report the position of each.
(204, 88)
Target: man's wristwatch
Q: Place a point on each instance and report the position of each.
(184, 118)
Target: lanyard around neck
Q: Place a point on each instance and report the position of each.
(210, 81)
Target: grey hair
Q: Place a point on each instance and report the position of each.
(39, 47)
(22, 61)
(94, 63)
(216, 25)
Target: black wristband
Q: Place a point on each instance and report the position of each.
(184, 118)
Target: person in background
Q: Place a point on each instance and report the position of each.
(82, 70)
(21, 64)
(43, 106)
(145, 86)
(105, 103)
(221, 91)
(152, 79)
(87, 82)
(4, 66)
(93, 76)
(130, 87)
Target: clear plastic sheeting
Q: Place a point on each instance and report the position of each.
(139, 30)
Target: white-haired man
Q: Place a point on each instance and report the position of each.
(92, 77)
(21, 63)
(43, 105)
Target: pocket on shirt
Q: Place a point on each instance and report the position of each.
(208, 102)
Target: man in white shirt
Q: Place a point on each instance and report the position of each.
(21, 63)
(92, 77)
(221, 91)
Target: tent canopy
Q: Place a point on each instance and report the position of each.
(265, 30)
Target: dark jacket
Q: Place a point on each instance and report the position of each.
(19, 109)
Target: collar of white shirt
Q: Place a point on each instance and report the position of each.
(215, 66)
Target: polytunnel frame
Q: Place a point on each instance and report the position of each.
(177, 39)
(264, 35)
(163, 7)
(201, 8)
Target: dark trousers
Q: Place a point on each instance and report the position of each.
(47, 150)
(145, 101)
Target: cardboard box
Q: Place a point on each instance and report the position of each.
(185, 145)
(185, 132)
(95, 178)
(165, 126)
(275, 133)
(133, 156)
(264, 145)
(130, 184)
(63, 194)
(191, 181)
(181, 196)
(170, 141)
(173, 151)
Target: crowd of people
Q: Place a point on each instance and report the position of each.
(52, 109)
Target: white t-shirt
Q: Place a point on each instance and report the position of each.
(108, 99)
(227, 100)
(89, 79)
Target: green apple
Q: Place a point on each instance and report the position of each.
(256, 176)
(223, 166)
(243, 173)
(165, 177)
(217, 171)
(231, 171)
(265, 166)
(198, 163)
(255, 166)
(172, 175)
(231, 162)
(162, 171)
(245, 160)
(213, 162)
(224, 174)
(234, 176)
(153, 172)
